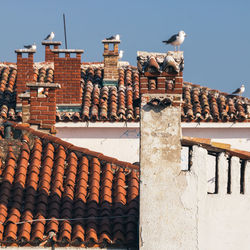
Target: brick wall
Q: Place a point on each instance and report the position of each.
(111, 57)
(43, 107)
(162, 83)
(67, 72)
(25, 72)
(49, 55)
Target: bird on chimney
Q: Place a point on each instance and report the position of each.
(50, 37)
(239, 91)
(121, 54)
(31, 46)
(116, 37)
(176, 40)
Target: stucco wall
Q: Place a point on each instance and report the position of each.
(222, 202)
(122, 142)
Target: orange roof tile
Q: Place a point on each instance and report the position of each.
(55, 193)
(118, 103)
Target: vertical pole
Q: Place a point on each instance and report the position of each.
(65, 35)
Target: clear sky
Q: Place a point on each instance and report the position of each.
(216, 49)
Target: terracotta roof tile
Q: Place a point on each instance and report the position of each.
(117, 103)
(51, 190)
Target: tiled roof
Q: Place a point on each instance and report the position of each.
(120, 103)
(53, 192)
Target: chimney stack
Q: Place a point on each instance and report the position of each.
(67, 72)
(164, 224)
(49, 55)
(40, 109)
(25, 71)
(111, 57)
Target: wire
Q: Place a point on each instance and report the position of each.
(74, 219)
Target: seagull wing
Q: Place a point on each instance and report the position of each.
(171, 39)
(237, 91)
(27, 46)
(47, 37)
(110, 38)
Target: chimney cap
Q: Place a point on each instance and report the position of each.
(25, 51)
(51, 43)
(67, 50)
(43, 85)
(111, 41)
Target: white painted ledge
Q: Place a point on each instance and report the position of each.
(137, 125)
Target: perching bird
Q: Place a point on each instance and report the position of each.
(121, 54)
(116, 37)
(33, 46)
(239, 91)
(50, 36)
(176, 40)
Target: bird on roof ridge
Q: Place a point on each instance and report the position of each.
(176, 40)
(50, 37)
(30, 46)
(239, 91)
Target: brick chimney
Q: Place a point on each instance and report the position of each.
(111, 56)
(40, 109)
(49, 55)
(163, 221)
(25, 71)
(67, 72)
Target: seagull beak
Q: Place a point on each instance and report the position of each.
(185, 35)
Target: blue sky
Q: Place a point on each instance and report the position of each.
(216, 49)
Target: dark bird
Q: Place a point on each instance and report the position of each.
(239, 91)
(176, 40)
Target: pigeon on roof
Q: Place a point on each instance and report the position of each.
(176, 40)
(50, 36)
(121, 54)
(239, 91)
(31, 46)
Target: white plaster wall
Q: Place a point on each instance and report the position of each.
(238, 137)
(223, 218)
(120, 143)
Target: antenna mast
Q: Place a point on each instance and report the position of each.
(65, 35)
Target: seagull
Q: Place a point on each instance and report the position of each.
(116, 37)
(176, 40)
(121, 54)
(110, 38)
(50, 36)
(239, 91)
(33, 46)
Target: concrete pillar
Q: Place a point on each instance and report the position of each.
(235, 175)
(166, 221)
(222, 180)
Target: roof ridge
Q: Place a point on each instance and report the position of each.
(70, 146)
(193, 85)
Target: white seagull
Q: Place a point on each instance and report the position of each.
(33, 46)
(239, 91)
(117, 37)
(50, 36)
(121, 54)
(176, 40)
